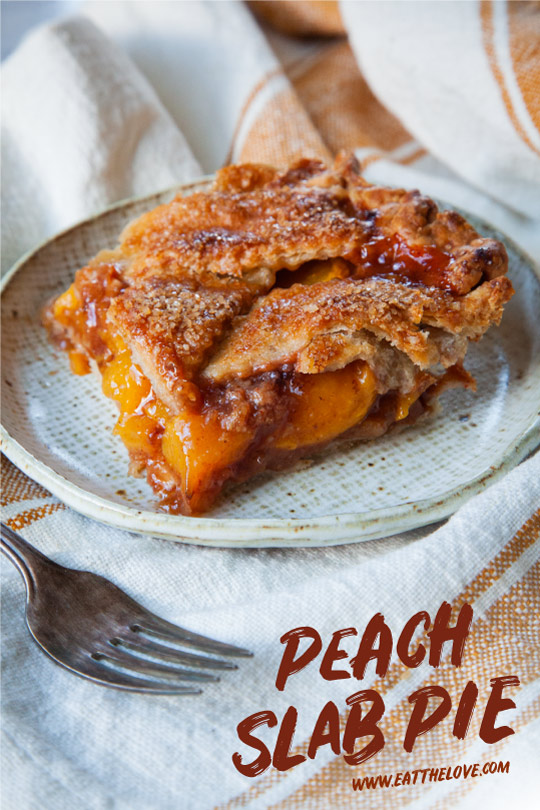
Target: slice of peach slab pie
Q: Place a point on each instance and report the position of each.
(247, 326)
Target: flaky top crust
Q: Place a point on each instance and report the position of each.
(214, 286)
(255, 216)
(391, 311)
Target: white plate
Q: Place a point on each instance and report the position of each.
(57, 427)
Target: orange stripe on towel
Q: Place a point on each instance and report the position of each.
(488, 35)
(524, 34)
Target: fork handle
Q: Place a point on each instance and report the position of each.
(24, 556)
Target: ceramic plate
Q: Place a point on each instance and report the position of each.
(57, 427)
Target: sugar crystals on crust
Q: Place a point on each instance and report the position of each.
(249, 325)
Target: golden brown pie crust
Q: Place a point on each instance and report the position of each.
(247, 326)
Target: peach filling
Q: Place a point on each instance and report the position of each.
(326, 405)
(200, 451)
(142, 415)
(193, 445)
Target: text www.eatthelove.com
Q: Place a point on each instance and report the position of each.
(424, 775)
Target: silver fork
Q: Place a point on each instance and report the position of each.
(91, 627)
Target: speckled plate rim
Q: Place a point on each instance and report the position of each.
(258, 533)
